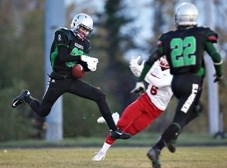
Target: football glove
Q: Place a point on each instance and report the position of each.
(91, 62)
(218, 78)
(138, 88)
(135, 67)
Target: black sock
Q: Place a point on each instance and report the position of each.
(160, 144)
(171, 133)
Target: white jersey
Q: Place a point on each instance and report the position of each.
(159, 88)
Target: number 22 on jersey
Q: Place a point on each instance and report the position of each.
(183, 51)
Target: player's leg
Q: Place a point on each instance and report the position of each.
(166, 139)
(188, 108)
(189, 95)
(109, 141)
(129, 114)
(197, 109)
(135, 118)
(87, 91)
(20, 98)
(186, 93)
(144, 118)
(54, 91)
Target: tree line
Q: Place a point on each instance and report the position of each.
(22, 59)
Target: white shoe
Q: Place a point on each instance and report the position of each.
(115, 117)
(99, 156)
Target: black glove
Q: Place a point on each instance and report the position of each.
(218, 78)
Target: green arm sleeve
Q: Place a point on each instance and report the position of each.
(215, 56)
(148, 64)
(144, 72)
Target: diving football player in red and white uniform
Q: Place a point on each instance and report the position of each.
(147, 107)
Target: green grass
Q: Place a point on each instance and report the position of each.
(143, 139)
(202, 151)
(117, 157)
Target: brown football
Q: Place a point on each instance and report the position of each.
(78, 71)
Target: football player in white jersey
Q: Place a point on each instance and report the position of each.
(147, 107)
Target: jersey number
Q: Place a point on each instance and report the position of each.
(154, 90)
(74, 52)
(183, 51)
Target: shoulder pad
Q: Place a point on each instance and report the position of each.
(210, 34)
(67, 32)
(63, 30)
(164, 36)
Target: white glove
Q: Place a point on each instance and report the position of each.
(86, 58)
(138, 88)
(92, 65)
(135, 67)
(115, 117)
(91, 62)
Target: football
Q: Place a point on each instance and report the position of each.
(78, 71)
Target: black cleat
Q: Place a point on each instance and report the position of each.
(153, 154)
(20, 99)
(118, 134)
(171, 146)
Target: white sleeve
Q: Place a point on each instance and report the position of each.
(158, 78)
(159, 82)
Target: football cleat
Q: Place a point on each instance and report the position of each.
(99, 156)
(115, 117)
(118, 134)
(171, 146)
(20, 99)
(153, 154)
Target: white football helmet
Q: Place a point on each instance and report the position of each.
(84, 21)
(163, 63)
(186, 15)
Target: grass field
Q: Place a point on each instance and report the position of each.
(117, 157)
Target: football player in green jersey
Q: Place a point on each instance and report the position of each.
(184, 48)
(70, 47)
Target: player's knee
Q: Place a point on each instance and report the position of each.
(134, 129)
(44, 111)
(101, 97)
(124, 124)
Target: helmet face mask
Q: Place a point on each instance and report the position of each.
(82, 24)
(186, 15)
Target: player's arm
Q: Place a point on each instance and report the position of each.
(61, 39)
(61, 42)
(151, 60)
(159, 82)
(89, 63)
(158, 53)
(140, 87)
(75, 55)
(65, 57)
(215, 56)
